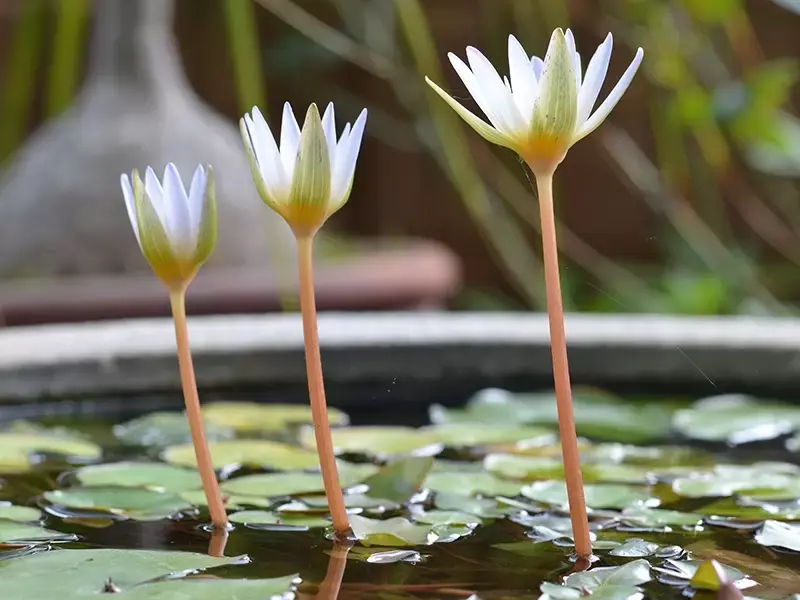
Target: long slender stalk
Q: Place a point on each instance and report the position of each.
(204, 463)
(316, 387)
(218, 541)
(558, 346)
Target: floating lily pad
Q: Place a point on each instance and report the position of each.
(483, 434)
(742, 509)
(263, 517)
(82, 574)
(471, 484)
(526, 468)
(231, 501)
(726, 480)
(487, 508)
(375, 440)
(597, 495)
(274, 485)
(162, 429)
(736, 419)
(658, 517)
(320, 504)
(256, 417)
(16, 449)
(399, 480)
(597, 414)
(446, 517)
(631, 574)
(247, 453)
(21, 514)
(12, 532)
(151, 475)
(397, 531)
(133, 503)
(634, 548)
(686, 570)
(213, 589)
(781, 535)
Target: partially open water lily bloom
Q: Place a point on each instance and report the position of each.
(309, 176)
(176, 229)
(543, 107)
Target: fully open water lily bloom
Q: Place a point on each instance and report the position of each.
(309, 177)
(176, 229)
(544, 106)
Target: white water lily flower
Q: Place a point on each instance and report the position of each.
(309, 177)
(544, 107)
(176, 229)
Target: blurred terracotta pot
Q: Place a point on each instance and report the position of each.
(377, 276)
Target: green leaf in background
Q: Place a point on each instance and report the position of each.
(13, 532)
(21, 514)
(162, 429)
(634, 548)
(597, 496)
(736, 419)
(768, 480)
(252, 417)
(399, 480)
(527, 468)
(134, 503)
(397, 531)
(66, 59)
(247, 453)
(274, 485)
(712, 11)
(642, 516)
(446, 517)
(374, 440)
(16, 449)
(460, 435)
(151, 475)
(231, 501)
(471, 484)
(782, 535)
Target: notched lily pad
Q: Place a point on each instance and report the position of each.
(687, 569)
(151, 475)
(397, 531)
(246, 453)
(251, 417)
(132, 503)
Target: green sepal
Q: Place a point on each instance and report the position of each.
(556, 110)
(207, 234)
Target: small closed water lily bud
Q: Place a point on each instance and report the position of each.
(544, 106)
(176, 229)
(309, 177)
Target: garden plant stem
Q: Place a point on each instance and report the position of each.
(205, 465)
(316, 388)
(558, 346)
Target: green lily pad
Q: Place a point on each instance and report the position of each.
(726, 480)
(231, 501)
(446, 517)
(736, 419)
(134, 503)
(601, 495)
(458, 435)
(250, 417)
(634, 548)
(471, 484)
(397, 531)
(213, 589)
(399, 480)
(82, 574)
(12, 532)
(686, 570)
(21, 514)
(660, 457)
(374, 440)
(16, 449)
(263, 517)
(597, 414)
(659, 517)
(526, 468)
(781, 535)
(749, 510)
(162, 429)
(631, 574)
(274, 485)
(247, 453)
(320, 504)
(151, 475)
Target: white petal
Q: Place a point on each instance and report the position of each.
(155, 193)
(130, 203)
(483, 129)
(267, 155)
(197, 196)
(576, 59)
(524, 83)
(595, 76)
(329, 129)
(610, 102)
(343, 140)
(290, 140)
(474, 88)
(179, 219)
(537, 64)
(496, 94)
(345, 167)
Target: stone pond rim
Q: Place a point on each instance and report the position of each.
(410, 357)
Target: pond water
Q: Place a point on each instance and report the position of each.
(469, 505)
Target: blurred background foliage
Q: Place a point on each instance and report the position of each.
(686, 201)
